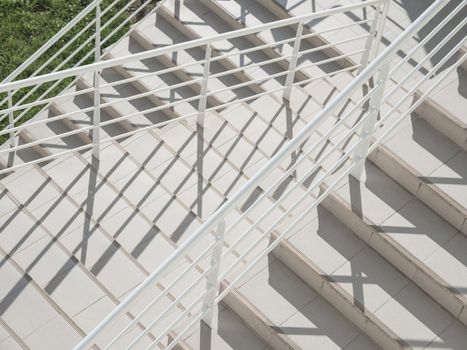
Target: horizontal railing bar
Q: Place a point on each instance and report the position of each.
(287, 212)
(249, 66)
(44, 101)
(52, 41)
(285, 41)
(420, 100)
(45, 159)
(180, 317)
(299, 182)
(86, 42)
(156, 7)
(319, 48)
(353, 24)
(249, 98)
(178, 47)
(195, 320)
(332, 59)
(174, 303)
(427, 56)
(428, 37)
(306, 153)
(247, 83)
(307, 81)
(45, 139)
(281, 58)
(163, 293)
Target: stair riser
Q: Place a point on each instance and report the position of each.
(316, 41)
(243, 77)
(112, 112)
(256, 320)
(402, 260)
(413, 182)
(233, 23)
(316, 279)
(167, 62)
(442, 121)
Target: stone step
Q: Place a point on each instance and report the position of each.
(100, 259)
(290, 314)
(291, 8)
(407, 234)
(433, 166)
(259, 13)
(9, 340)
(156, 31)
(228, 332)
(391, 309)
(444, 108)
(198, 21)
(21, 298)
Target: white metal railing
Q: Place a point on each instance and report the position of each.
(94, 30)
(237, 237)
(95, 85)
(222, 250)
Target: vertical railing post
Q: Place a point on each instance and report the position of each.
(293, 63)
(379, 33)
(361, 152)
(212, 283)
(204, 86)
(374, 36)
(97, 94)
(11, 119)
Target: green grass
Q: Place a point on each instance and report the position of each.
(25, 25)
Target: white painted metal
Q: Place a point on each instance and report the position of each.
(204, 86)
(350, 161)
(99, 66)
(293, 62)
(97, 92)
(11, 121)
(366, 134)
(213, 281)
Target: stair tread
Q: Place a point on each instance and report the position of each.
(297, 311)
(154, 189)
(202, 22)
(52, 129)
(449, 94)
(412, 225)
(259, 14)
(227, 333)
(81, 120)
(162, 29)
(25, 300)
(437, 159)
(389, 295)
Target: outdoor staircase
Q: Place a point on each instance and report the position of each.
(380, 264)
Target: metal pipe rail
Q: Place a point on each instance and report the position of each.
(50, 51)
(221, 251)
(18, 110)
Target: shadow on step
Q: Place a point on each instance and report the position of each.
(442, 148)
(327, 325)
(372, 282)
(462, 87)
(413, 224)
